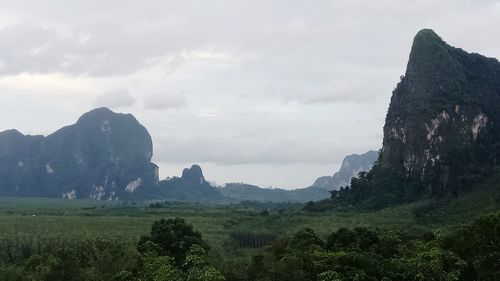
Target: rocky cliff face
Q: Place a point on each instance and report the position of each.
(442, 127)
(351, 166)
(104, 156)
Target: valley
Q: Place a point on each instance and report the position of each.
(86, 202)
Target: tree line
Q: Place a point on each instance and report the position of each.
(175, 251)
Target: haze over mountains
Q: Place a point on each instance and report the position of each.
(107, 156)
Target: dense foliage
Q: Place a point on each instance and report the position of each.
(370, 192)
(469, 253)
(174, 251)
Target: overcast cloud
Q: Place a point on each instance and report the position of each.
(273, 93)
(164, 101)
(115, 99)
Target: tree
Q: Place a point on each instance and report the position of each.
(304, 240)
(197, 266)
(108, 259)
(160, 268)
(329, 276)
(174, 237)
(479, 245)
(430, 262)
(10, 273)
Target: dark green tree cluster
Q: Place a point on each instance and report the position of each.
(469, 253)
(173, 251)
(173, 237)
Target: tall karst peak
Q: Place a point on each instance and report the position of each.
(444, 108)
(434, 64)
(427, 37)
(427, 45)
(104, 155)
(442, 129)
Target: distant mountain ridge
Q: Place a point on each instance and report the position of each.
(247, 192)
(351, 166)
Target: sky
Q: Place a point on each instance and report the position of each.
(271, 93)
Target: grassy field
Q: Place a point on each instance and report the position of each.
(57, 221)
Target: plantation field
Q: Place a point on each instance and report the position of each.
(54, 221)
(35, 221)
(30, 225)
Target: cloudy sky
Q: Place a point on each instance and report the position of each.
(273, 93)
